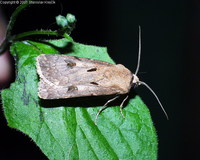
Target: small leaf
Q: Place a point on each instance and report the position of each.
(63, 130)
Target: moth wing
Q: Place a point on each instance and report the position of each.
(64, 70)
(63, 76)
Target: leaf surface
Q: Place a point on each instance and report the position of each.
(65, 129)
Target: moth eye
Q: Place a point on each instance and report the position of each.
(92, 70)
(135, 85)
(72, 88)
(94, 83)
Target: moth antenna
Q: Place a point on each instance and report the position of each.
(139, 52)
(146, 85)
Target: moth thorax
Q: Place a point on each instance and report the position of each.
(136, 80)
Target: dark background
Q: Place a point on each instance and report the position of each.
(169, 62)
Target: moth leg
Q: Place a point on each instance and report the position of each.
(104, 106)
(121, 106)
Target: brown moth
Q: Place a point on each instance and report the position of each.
(63, 76)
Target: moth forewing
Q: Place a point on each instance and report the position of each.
(63, 76)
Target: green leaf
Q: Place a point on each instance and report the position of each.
(65, 131)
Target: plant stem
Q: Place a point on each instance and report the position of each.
(14, 17)
(30, 33)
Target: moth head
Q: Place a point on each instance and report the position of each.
(136, 81)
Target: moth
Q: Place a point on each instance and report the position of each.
(63, 76)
